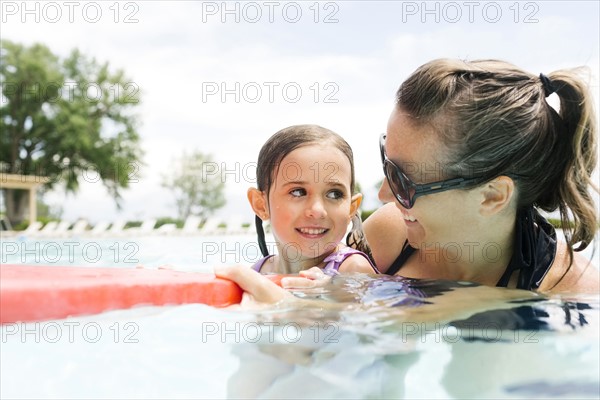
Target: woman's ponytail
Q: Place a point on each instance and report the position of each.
(579, 217)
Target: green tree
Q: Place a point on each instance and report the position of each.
(196, 183)
(68, 119)
(49, 211)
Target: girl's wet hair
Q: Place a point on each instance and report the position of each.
(283, 143)
(493, 118)
(289, 139)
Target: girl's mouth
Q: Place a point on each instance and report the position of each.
(312, 231)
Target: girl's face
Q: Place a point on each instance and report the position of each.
(435, 220)
(310, 203)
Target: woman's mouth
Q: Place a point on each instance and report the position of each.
(409, 218)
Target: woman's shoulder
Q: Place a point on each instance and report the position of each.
(385, 231)
(582, 276)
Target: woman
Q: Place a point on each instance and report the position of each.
(472, 150)
(486, 150)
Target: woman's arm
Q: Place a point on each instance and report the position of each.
(386, 232)
(356, 263)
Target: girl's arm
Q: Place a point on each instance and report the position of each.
(456, 304)
(258, 290)
(315, 277)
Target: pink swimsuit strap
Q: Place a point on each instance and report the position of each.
(334, 261)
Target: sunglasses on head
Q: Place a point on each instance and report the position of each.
(406, 191)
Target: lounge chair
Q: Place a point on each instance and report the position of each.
(116, 228)
(32, 230)
(100, 228)
(79, 228)
(211, 227)
(235, 225)
(191, 225)
(61, 229)
(166, 229)
(47, 230)
(146, 228)
(247, 228)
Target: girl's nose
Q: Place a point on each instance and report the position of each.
(316, 209)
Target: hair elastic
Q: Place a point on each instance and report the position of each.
(548, 85)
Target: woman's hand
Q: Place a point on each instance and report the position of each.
(308, 279)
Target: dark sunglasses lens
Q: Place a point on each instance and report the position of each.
(398, 187)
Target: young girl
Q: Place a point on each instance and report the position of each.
(305, 178)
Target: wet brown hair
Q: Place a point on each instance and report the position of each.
(493, 118)
(289, 139)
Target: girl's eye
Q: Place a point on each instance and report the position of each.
(298, 192)
(335, 194)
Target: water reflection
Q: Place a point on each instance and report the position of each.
(406, 338)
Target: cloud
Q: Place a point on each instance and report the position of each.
(357, 63)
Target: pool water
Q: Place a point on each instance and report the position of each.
(383, 338)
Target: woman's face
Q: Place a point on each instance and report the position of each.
(437, 219)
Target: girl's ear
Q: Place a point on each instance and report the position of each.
(258, 202)
(355, 203)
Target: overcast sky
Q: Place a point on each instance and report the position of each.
(335, 64)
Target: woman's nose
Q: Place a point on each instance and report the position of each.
(385, 193)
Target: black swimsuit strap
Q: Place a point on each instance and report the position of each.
(534, 250)
(404, 255)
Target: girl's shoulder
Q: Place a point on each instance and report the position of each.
(267, 265)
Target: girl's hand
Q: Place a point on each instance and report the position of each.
(310, 278)
(258, 290)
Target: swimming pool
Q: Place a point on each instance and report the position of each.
(474, 344)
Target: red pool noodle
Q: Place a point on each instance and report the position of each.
(37, 293)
